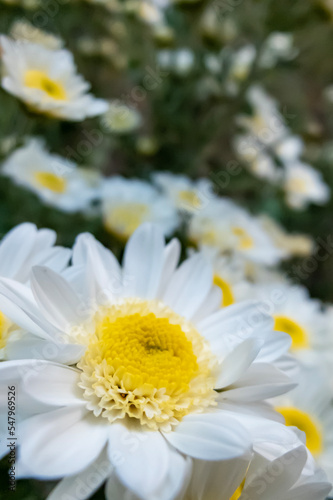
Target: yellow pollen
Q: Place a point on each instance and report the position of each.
(298, 335)
(51, 181)
(189, 199)
(245, 242)
(125, 219)
(4, 327)
(306, 423)
(146, 362)
(36, 79)
(227, 295)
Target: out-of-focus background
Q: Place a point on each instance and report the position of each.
(191, 84)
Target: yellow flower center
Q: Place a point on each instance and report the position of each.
(306, 423)
(4, 330)
(298, 335)
(51, 181)
(145, 362)
(36, 79)
(245, 242)
(189, 199)
(297, 184)
(227, 295)
(125, 219)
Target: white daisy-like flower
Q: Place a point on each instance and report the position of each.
(24, 30)
(295, 313)
(46, 81)
(230, 229)
(120, 118)
(56, 180)
(186, 195)
(309, 408)
(162, 375)
(260, 163)
(304, 185)
(21, 248)
(127, 203)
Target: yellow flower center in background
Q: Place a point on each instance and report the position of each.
(189, 199)
(306, 423)
(297, 184)
(298, 335)
(51, 181)
(36, 79)
(147, 363)
(125, 219)
(4, 327)
(227, 295)
(245, 242)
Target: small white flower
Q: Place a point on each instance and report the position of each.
(278, 46)
(120, 118)
(56, 180)
(229, 229)
(304, 185)
(127, 203)
(46, 81)
(185, 194)
(25, 31)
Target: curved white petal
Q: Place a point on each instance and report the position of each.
(60, 443)
(237, 362)
(55, 385)
(143, 262)
(189, 286)
(81, 486)
(171, 255)
(209, 436)
(141, 459)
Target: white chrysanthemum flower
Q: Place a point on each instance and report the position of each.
(127, 203)
(230, 229)
(309, 408)
(47, 82)
(56, 180)
(294, 313)
(120, 118)
(23, 247)
(304, 185)
(180, 61)
(185, 194)
(260, 163)
(163, 373)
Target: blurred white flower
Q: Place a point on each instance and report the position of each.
(127, 203)
(56, 180)
(230, 229)
(25, 31)
(46, 81)
(278, 46)
(304, 185)
(120, 118)
(186, 195)
(180, 61)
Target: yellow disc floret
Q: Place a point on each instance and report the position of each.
(50, 181)
(147, 363)
(39, 80)
(298, 335)
(245, 242)
(306, 423)
(124, 219)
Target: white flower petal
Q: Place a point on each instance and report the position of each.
(141, 459)
(60, 304)
(143, 262)
(209, 436)
(189, 286)
(237, 362)
(83, 485)
(60, 443)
